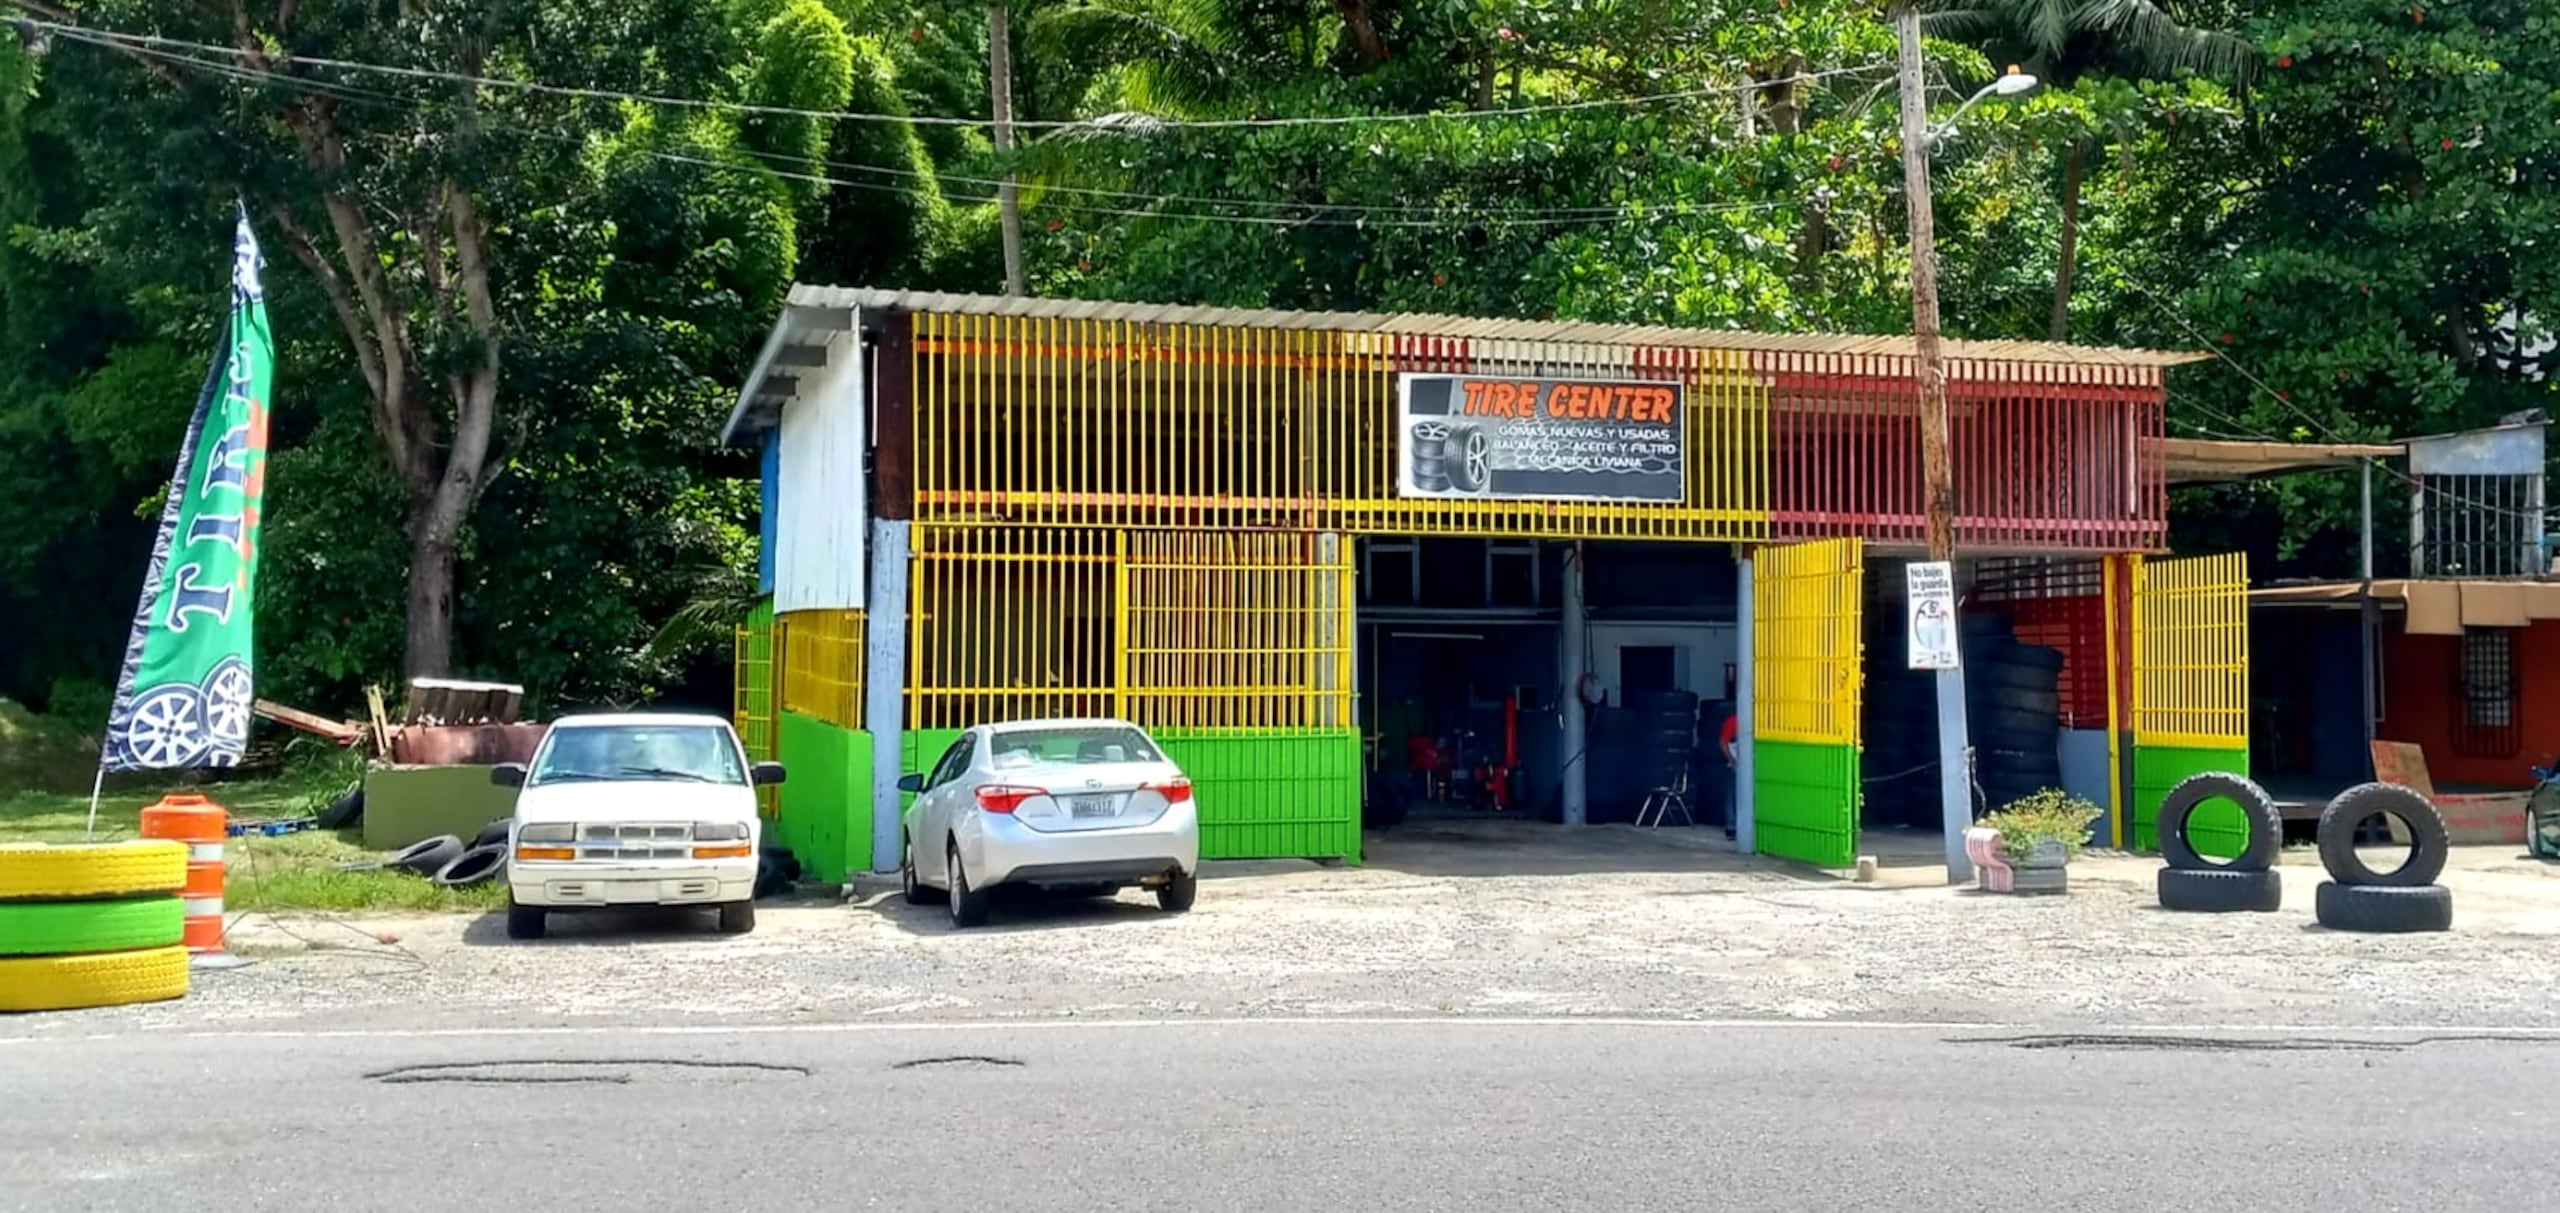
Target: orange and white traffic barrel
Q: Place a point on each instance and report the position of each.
(201, 824)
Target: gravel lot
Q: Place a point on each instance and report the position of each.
(1497, 919)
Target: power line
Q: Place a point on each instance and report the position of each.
(1327, 214)
(122, 40)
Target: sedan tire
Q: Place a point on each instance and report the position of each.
(1177, 895)
(915, 891)
(968, 906)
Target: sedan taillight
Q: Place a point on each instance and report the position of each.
(1175, 790)
(1005, 797)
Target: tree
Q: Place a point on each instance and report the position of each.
(2063, 41)
(427, 207)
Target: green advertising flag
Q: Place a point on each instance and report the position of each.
(185, 695)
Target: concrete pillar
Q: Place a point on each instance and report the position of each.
(1576, 663)
(884, 687)
(1746, 660)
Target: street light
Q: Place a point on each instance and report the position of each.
(1937, 471)
(2010, 84)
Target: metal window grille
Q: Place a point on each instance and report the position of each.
(2489, 722)
(2191, 652)
(2058, 604)
(822, 665)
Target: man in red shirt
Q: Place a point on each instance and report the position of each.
(1732, 772)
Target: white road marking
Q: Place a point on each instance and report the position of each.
(1314, 1021)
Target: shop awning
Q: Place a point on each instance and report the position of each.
(2434, 608)
(2212, 460)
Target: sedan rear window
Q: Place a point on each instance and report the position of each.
(1077, 745)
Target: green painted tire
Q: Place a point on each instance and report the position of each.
(70, 928)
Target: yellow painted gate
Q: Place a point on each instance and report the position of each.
(1807, 636)
(2190, 690)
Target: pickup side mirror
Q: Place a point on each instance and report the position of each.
(507, 775)
(910, 783)
(766, 774)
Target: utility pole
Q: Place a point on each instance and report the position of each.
(1000, 85)
(1937, 472)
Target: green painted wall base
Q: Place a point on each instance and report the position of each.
(2219, 829)
(1264, 793)
(825, 818)
(1805, 801)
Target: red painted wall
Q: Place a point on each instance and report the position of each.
(2419, 702)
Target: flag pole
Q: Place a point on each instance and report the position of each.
(97, 788)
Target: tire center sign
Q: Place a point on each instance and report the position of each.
(1507, 438)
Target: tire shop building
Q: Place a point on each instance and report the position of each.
(1528, 566)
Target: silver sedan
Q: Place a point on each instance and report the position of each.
(1091, 804)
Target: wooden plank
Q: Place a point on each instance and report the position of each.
(338, 731)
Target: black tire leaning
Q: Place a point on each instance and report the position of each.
(2221, 890)
(343, 812)
(2383, 909)
(478, 865)
(2429, 843)
(2177, 810)
(493, 834)
(428, 857)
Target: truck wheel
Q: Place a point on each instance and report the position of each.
(738, 918)
(526, 922)
(2429, 843)
(2265, 824)
(1175, 896)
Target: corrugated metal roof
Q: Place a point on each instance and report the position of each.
(1472, 328)
(2209, 460)
(815, 313)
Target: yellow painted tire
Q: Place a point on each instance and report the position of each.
(31, 872)
(99, 979)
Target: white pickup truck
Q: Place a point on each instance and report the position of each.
(634, 810)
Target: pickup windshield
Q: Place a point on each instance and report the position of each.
(674, 753)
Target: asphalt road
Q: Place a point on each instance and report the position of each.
(1277, 1116)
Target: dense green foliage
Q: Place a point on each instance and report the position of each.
(2351, 199)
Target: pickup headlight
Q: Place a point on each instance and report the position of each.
(719, 831)
(549, 832)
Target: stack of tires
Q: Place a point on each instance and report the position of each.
(2195, 884)
(91, 926)
(2404, 899)
(2013, 713)
(1636, 748)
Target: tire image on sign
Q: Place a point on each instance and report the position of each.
(1467, 460)
(1428, 444)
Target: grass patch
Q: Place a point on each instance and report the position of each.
(301, 871)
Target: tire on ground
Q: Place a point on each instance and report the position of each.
(493, 834)
(428, 857)
(34, 872)
(2177, 810)
(98, 979)
(345, 811)
(2383, 909)
(55, 928)
(2221, 890)
(475, 866)
(2429, 843)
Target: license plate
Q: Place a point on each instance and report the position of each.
(1094, 806)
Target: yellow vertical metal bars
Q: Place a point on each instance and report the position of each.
(1807, 640)
(822, 665)
(2191, 652)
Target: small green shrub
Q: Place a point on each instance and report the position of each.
(2051, 814)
